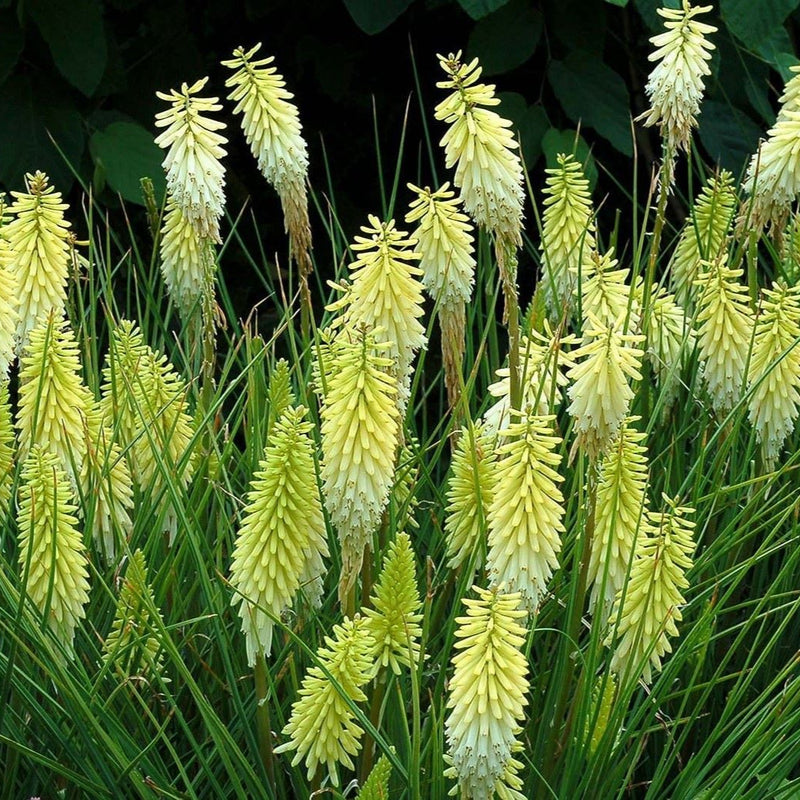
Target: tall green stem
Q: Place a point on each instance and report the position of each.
(506, 254)
(262, 718)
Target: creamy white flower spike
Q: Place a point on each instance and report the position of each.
(195, 175)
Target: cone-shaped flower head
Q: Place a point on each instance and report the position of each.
(774, 371)
(188, 260)
(53, 401)
(386, 292)
(51, 554)
(146, 399)
(487, 693)
(675, 87)
(282, 525)
(9, 296)
(543, 361)
(38, 237)
(647, 609)
(725, 333)
(600, 393)
(272, 128)
(482, 147)
(7, 451)
(322, 728)
(527, 510)
(704, 235)
(376, 786)
(445, 243)
(132, 645)
(606, 295)
(620, 516)
(280, 392)
(773, 176)
(567, 234)
(669, 337)
(469, 495)
(393, 621)
(195, 176)
(603, 695)
(360, 433)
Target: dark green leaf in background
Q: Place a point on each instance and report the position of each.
(530, 124)
(73, 30)
(592, 93)
(728, 135)
(647, 9)
(621, 3)
(11, 42)
(578, 25)
(30, 111)
(555, 142)
(778, 51)
(507, 38)
(478, 9)
(374, 16)
(753, 21)
(126, 153)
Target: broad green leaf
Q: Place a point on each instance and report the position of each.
(555, 142)
(478, 9)
(592, 93)
(621, 3)
(73, 30)
(506, 39)
(374, 17)
(579, 25)
(728, 135)
(32, 113)
(778, 51)
(753, 22)
(11, 42)
(530, 124)
(126, 153)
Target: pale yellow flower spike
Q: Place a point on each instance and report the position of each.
(386, 295)
(360, 436)
(322, 729)
(394, 619)
(606, 295)
(7, 451)
(773, 176)
(543, 361)
(188, 261)
(482, 147)
(527, 510)
(272, 128)
(445, 243)
(37, 237)
(195, 176)
(725, 332)
(487, 696)
(620, 516)
(774, 371)
(470, 489)
(282, 527)
(568, 234)
(147, 401)
(9, 296)
(647, 609)
(704, 236)
(600, 393)
(675, 87)
(51, 554)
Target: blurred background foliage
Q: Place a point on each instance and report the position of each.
(83, 73)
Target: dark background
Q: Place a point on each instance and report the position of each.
(86, 72)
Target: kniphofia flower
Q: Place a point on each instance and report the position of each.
(322, 728)
(9, 297)
(481, 146)
(486, 693)
(52, 560)
(195, 175)
(38, 239)
(282, 526)
(774, 371)
(648, 607)
(7, 451)
(272, 128)
(527, 509)
(606, 294)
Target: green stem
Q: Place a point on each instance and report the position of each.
(262, 718)
(368, 758)
(505, 252)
